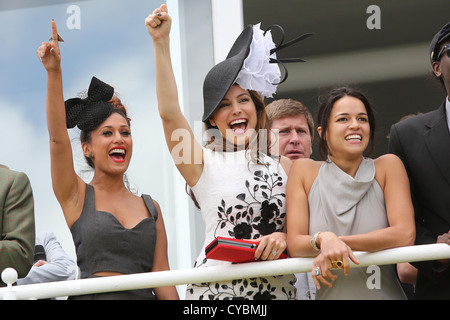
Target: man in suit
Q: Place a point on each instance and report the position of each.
(423, 144)
(17, 224)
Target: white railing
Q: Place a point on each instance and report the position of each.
(210, 274)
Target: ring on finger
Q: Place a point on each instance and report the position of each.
(274, 253)
(337, 264)
(317, 271)
(57, 38)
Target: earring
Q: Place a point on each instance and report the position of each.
(213, 124)
(90, 155)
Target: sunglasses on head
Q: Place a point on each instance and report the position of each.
(446, 49)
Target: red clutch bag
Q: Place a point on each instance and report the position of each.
(232, 250)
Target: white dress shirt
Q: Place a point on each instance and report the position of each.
(59, 265)
(447, 112)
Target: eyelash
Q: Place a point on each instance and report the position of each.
(344, 119)
(226, 104)
(108, 133)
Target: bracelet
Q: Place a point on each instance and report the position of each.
(313, 241)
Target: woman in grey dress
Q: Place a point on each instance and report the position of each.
(348, 202)
(115, 231)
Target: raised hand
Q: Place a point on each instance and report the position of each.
(49, 53)
(158, 23)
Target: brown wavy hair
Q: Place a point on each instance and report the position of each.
(254, 145)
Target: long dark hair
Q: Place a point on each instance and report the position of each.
(326, 104)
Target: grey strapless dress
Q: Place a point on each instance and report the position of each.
(346, 205)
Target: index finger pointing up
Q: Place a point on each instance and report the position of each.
(55, 36)
(54, 30)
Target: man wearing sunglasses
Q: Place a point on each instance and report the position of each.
(423, 144)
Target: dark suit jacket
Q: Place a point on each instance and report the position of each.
(423, 144)
(17, 224)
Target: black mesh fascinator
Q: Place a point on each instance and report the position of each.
(88, 113)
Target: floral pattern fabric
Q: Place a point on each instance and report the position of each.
(257, 212)
(242, 200)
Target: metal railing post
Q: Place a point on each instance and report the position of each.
(9, 276)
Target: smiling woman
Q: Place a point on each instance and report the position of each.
(86, 113)
(115, 136)
(348, 202)
(351, 98)
(236, 112)
(239, 188)
(240, 120)
(114, 231)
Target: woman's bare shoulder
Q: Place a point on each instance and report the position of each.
(387, 162)
(305, 167)
(307, 163)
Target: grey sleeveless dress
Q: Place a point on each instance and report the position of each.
(103, 244)
(346, 205)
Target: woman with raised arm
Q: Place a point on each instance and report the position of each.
(236, 184)
(115, 232)
(348, 202)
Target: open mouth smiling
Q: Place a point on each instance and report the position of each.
(239, 126)
(353, 138)
(118, 154)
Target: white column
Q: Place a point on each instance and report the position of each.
(228, 22)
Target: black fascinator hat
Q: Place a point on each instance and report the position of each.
(247, 64)
(88, 113)
(221, 77)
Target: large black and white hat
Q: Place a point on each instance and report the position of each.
(251, 63)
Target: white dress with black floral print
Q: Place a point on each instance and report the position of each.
(243, 200)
